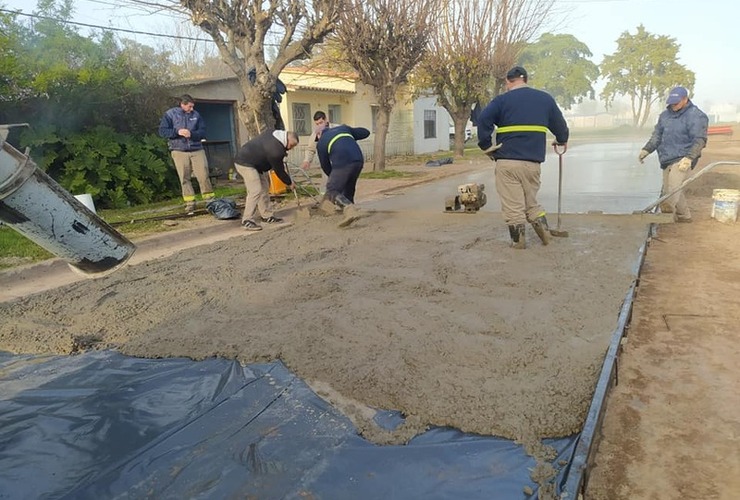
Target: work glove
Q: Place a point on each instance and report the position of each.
(643, 154)
(489, 152)
(684, 164)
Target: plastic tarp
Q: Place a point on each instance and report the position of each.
(102, 425)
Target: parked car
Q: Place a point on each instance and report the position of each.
(468, 132)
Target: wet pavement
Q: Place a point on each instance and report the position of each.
(596, 177)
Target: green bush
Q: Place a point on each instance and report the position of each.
(118, 170)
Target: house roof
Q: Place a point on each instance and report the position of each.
(313, 88)
(200, 81)
(303, 70)
(290, 86)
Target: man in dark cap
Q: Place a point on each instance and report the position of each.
(679, 137)
(521, 118)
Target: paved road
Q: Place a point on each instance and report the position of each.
(602, 176)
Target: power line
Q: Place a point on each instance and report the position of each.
(123, 30)
(107, 28)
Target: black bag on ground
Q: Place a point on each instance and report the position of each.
(223, 209)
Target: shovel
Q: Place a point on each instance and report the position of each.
(302, 212)
(559, 233)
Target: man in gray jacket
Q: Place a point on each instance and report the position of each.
(679, 137)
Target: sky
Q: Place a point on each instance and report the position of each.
(705, 30)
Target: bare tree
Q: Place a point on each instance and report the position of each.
(517, 22)
(473, 46)
(383, 41)
(242, 29)
(193, 52)
(459, 64)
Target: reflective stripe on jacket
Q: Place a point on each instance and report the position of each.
(521, 118)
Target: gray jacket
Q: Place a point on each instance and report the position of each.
(679, 134)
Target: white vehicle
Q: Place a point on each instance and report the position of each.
(468, 132)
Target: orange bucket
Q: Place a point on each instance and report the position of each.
(276, 185)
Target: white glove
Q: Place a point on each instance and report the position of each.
(684, 164)
(643, 154)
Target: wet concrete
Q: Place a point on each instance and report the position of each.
(598, 176)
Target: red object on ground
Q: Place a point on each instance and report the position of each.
(719, 130)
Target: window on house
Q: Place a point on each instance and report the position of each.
(430, 124)
(374, 113)
(335, 114)
(302, 118)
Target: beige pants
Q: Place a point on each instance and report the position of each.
(258, 192)
(672, 178)
(517, 184)
(189, 163)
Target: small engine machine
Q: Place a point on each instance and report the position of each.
(469, 199)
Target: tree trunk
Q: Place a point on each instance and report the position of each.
(460, 125)
(645, 117)
(255, 110)
(381, 132)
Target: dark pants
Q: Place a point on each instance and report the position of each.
(343, 180)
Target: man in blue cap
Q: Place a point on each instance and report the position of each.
(679, 137)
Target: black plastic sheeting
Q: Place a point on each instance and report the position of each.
(102, 425)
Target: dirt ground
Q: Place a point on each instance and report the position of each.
(672, 424)
(430, 314)
(433, 315)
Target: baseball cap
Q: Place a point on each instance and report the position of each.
(675, 96)
(516, 72)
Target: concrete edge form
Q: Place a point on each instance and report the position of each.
(576, 480)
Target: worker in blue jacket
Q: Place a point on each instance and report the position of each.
(521, 117)
(341, 160)
(679, 137)
(184, 129)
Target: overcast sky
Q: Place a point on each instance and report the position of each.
(706, 31)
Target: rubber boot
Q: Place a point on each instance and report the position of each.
(542, 229)
(351, 212)
(517, 236)
(326, 207)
